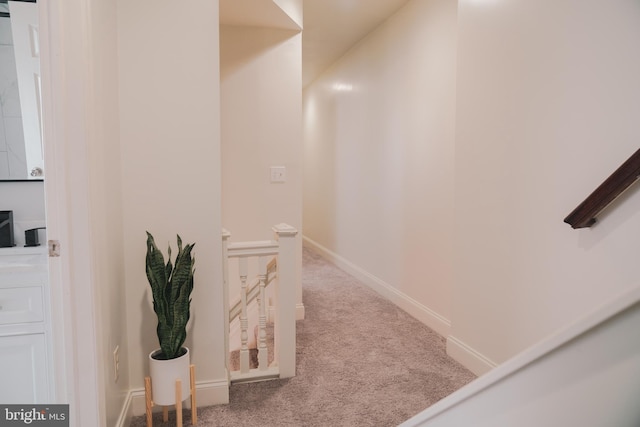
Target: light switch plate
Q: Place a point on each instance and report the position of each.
(278, 174)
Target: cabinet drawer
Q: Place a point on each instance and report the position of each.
(21, 305)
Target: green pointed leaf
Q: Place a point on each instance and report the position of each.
(171, 286)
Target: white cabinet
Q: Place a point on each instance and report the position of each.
(23, 369)
(24, 327)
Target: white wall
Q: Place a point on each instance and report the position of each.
(379, 159)
(99, 175)
(547, 108)
(261, 116)
(547, 100)
(261, 72)
(170, 144)
(108, 259)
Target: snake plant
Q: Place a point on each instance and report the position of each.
(171, 286)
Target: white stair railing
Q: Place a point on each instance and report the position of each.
(276, 263)
(253, 291)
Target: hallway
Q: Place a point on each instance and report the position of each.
(361, 362)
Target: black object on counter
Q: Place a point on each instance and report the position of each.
(6, 229)
(31, 237)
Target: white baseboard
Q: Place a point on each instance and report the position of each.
(126, 414)
(421, 312)
(468, 357)
(208, 393)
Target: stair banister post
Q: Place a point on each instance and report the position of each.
(225, 295)
(285, 326)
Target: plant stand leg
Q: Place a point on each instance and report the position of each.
(148, 401)
(178, 403)
(165, 409)
(194, 412)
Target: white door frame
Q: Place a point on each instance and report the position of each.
(64, 31)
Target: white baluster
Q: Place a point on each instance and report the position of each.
(225, 292)
(263, 358)
(244, 321)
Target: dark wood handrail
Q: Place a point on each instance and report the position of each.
(585, 214)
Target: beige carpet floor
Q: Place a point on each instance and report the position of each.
(361, 361)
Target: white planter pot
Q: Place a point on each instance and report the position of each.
(164, 374)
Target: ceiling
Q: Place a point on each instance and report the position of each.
(331, 27)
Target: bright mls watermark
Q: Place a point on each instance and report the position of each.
(34, 415)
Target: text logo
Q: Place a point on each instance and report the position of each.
(34, 415)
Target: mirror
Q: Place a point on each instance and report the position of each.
(21, 149)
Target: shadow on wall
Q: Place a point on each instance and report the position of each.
(320, 193)
(239, 46)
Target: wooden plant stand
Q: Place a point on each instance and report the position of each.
(165, 409)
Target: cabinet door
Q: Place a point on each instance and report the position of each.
(23, 369)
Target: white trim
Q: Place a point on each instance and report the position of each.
(468, 357)
(606, 311)
(126, 413)
(255, 375)
(62, 391)
(215, 392)
(64, 79)
(416, 309)
(208, 393)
